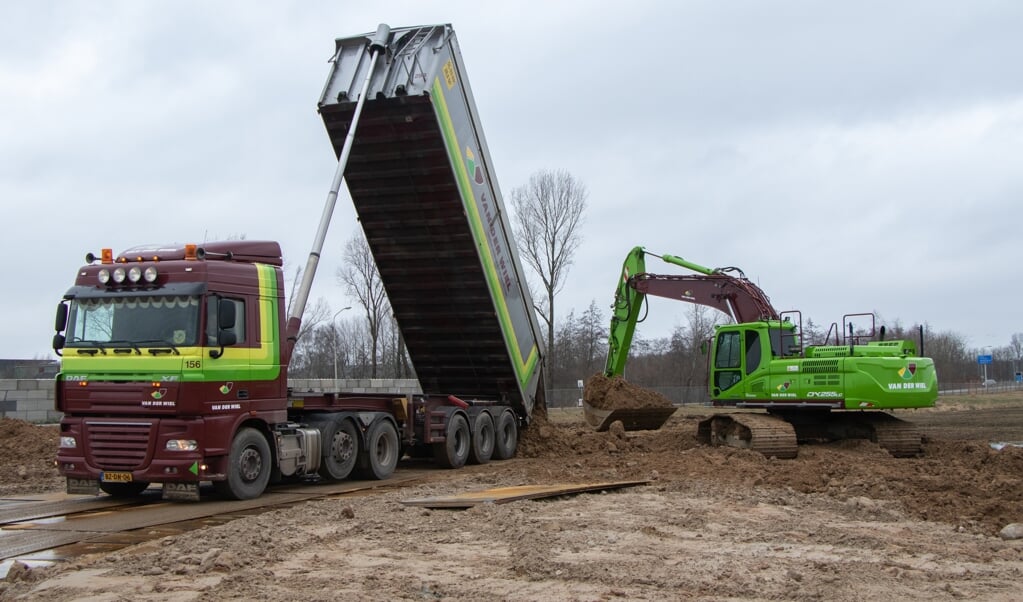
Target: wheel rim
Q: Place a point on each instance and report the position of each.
(384, 449)
(341, 447)
(250, 464)
(461, 441)
(487, 438)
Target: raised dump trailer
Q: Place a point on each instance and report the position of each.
(423, 185)
(175, 357)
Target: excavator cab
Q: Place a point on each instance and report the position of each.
(743, 352)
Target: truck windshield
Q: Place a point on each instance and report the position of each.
(134, 321)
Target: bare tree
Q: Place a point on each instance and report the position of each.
(593, 328)
(362, 281)
(548, 215)
(1016, 351)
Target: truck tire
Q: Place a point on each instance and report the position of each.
(453, 452)
(248, 466)
(340, 449)
(132, 489)
(382, 451)
(507, 442)
(482, 447)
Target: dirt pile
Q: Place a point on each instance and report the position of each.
(842, 521)
(27, 452)
(960, 479)
(962, 482)
(616, 393)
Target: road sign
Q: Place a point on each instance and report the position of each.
(983, 359)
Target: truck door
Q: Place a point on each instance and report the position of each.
(227, 367)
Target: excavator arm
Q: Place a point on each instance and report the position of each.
(735, 295)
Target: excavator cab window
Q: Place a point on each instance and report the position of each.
(784, 343)
(727, 360)
(753, 351)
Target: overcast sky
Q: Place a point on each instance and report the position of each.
(849, 157)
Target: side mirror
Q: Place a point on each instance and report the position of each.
(58, 343)
(61, 322)
(227, 338)
(226, 317)
(225, 314)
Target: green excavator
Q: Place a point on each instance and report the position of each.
(838, 390)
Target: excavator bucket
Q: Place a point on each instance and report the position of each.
(633, 419)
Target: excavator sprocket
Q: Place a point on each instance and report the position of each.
(768, 435)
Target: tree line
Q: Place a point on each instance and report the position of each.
(547, 220)
(349, 348)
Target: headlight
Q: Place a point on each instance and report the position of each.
(68, 442)
(119, 275)
(103, 276)
(135, 273)
(182, 445)
(150, 274)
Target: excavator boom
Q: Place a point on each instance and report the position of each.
(736, 296)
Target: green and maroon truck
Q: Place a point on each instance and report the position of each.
(174, 366)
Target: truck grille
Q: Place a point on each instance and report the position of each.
(119, 445)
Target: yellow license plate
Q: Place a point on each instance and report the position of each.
(116, 477)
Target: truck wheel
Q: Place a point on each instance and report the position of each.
(381, 455)
(248, 466)
(131, 489)
(340, 449)
(507, 436)
(482, 439)
(454, 450)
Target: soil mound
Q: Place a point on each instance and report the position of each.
(616, 393)
(27, 452)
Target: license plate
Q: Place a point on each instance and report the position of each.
(116, 477)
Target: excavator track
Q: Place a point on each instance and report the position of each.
(778, 434)
(900, 438)
(769, 435)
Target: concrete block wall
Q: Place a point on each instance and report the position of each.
(32, 400)
(28, 399)
(401, 386)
